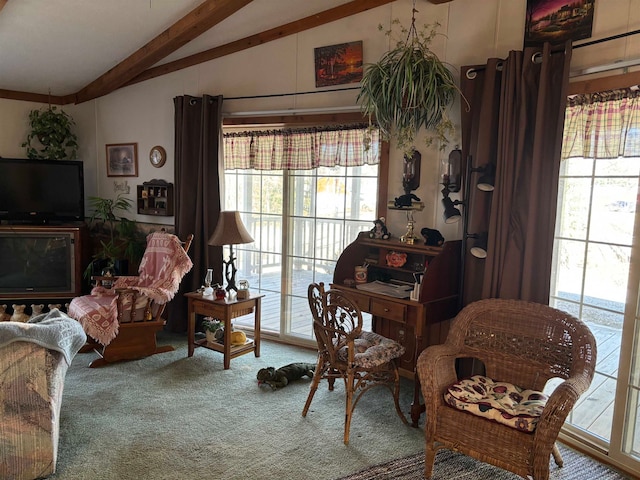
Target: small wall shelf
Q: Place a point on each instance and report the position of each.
(155, 198)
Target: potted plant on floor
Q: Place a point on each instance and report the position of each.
(409, 88)
(119, 240)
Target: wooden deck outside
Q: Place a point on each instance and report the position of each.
(593, 412)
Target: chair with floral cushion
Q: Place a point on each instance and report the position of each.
(505, 416)
(122, 321)
(361, 359)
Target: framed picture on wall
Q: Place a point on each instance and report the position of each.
(556, 21)
(338, 64)
(122, 160)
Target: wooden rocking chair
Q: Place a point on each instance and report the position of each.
(121, 322)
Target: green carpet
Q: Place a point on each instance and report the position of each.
(172, 417)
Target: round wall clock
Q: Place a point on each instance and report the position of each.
(157, 156)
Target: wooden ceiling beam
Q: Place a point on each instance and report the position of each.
(198, 21)
(36, 97)
(312, 21)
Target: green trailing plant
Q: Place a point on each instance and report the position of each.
(52, 128)
(122, 239)
(212, 324)
(409, 88)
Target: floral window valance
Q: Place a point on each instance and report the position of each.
(603, 125)
(302, 148)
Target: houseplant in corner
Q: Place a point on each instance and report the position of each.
(409, 88)
(52, 129)
(120, 241)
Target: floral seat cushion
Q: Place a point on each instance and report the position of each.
(372, 350)
(502, 402)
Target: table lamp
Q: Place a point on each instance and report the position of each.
(230, 231)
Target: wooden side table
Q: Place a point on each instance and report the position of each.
(224, 310)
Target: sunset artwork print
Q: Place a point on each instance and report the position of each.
(338, 64)
(556, 21)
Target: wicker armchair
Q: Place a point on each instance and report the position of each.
(362, 359)
(524, 344)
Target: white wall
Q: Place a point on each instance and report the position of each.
(143, 113)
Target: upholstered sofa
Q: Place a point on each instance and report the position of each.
(34, 357)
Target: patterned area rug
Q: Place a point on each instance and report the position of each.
(455, 466)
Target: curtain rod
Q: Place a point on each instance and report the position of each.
(251, 97)
(606, 39)
(470, 73)
(293, 111)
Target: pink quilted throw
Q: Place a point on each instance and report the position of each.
(162, 268)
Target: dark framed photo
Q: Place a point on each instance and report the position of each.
(122, 160)
(338, 64)
(556, 21)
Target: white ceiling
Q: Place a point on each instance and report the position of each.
(61, 46)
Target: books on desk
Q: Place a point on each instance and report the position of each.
(382, 288)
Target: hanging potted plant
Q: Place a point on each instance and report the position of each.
(409, 88)
(52, 129)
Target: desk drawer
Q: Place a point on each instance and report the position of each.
(209, 309)
(389, 309)
(361, 301)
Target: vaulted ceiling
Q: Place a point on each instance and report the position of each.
(71, 51)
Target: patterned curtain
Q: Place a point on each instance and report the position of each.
(302, 148)
(603, 125)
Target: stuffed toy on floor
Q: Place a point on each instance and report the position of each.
(278, 378)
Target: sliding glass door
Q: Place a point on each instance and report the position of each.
(596, 277)
(301, 222)
(301, 218)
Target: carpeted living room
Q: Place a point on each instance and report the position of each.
(330, 239)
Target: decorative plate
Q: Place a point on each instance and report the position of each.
(395, 259)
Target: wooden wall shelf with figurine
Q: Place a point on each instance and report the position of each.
(155, 198)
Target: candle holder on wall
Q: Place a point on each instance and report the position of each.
(410, 182)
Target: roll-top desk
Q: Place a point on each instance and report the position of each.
(416, 324)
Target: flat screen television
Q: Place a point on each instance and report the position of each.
(41, 191)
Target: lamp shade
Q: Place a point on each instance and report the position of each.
(487, 179)
(230, 230)
(451, 214)
(479, 247)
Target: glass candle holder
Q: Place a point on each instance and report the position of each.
(208, 279)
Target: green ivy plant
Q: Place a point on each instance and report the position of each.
(52, 128)
(409, 88)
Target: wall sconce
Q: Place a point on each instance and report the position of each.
(230, 231)
(451, 171)
(411, 172)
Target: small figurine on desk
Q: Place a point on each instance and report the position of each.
(379, 229)
(432, 237)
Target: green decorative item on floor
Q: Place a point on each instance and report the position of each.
(52, 129)
(409, 88)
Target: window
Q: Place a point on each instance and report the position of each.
(301, 219)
